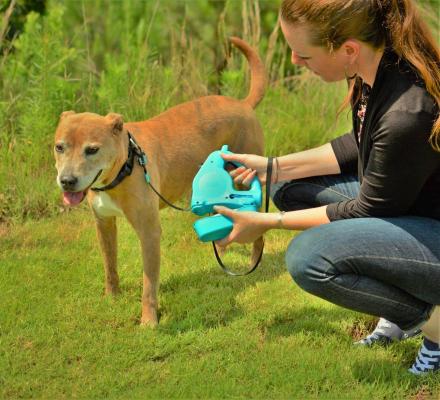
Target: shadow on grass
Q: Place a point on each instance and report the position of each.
(311, 320)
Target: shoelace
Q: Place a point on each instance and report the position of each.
(426, 361)
(382, 328)
(375, 337)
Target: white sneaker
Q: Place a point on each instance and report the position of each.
(385, 333)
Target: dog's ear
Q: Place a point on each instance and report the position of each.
(116, 122)
(65, 114)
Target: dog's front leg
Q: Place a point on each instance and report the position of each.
(106, 230)
(147, 227)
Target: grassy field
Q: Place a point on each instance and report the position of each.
(253, 337)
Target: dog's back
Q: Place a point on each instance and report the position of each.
(194, 129)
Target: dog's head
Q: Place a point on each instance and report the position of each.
(86, 149)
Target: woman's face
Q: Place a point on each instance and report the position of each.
(329, 66)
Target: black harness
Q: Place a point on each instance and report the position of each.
(126, 169)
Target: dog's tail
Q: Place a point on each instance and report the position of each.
(258, 72)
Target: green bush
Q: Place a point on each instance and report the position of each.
(37, 86)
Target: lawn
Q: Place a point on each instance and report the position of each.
(258, 336)
(253, 337)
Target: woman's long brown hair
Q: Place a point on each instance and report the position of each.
(396, 24)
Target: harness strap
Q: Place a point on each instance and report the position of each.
(254, 267)
(125, 170)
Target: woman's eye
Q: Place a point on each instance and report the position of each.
(59, 148)
(91, 150)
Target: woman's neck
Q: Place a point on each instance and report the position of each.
(369, 60)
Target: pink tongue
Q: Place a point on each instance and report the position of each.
(73, 199)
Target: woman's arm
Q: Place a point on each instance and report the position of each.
(321, 160)
(314, 162)
(399, 164)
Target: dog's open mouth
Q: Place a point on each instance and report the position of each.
(73, 198)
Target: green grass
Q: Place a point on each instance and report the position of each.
(254, 337)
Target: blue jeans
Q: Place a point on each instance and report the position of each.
(388, 267)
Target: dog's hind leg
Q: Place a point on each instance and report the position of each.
(106, 230)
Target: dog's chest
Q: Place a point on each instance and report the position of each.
(104, 206)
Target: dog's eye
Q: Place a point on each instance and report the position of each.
(91, 150)
(59, 148)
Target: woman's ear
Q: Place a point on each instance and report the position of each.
(351, 49)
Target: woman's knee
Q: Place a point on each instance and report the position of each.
(276, 194)
(286, 198)
(308, 261)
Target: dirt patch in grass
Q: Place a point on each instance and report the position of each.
(423, 394)
(360, 329)
(3, 230)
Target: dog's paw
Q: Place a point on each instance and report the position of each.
(148, 323)
(112, 291)
(149, 317)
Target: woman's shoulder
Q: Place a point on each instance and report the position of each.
(414, 99)
(403, 89)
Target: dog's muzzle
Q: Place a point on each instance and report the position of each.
(68, 182)
(71, 195)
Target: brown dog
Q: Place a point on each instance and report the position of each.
(91, 150)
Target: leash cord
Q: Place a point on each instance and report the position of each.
(260, 256)
(160, 196)
(142, 160)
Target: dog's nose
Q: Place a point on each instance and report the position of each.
(68, 182)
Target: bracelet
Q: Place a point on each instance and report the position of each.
(280, 224)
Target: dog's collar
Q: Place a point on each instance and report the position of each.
(126, 170)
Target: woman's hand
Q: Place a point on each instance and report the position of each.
(248, 225)
(253, 166)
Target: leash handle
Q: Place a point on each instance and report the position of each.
(266, 209)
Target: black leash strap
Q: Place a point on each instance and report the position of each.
(142, 159)
(217, 256)
(163, 198)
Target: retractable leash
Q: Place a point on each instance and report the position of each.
(266, 209)
(213, 186)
